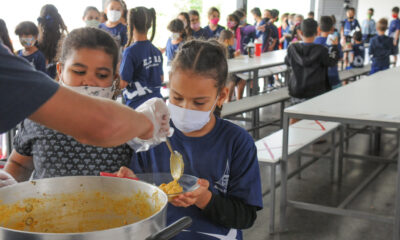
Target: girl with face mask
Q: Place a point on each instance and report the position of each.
(213, 28)
(91, 17)
(28, 33)
(114, 10)
(176, 39)
(88, 66)
(218, 152)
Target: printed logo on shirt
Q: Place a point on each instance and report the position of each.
(154, 61)
(140, 91)
(222, 184)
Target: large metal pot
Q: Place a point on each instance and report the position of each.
(55, 204)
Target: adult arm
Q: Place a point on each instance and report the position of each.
(90, 120)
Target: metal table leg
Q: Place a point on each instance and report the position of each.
(299, 164)
(333, 155)
(281, 113)
(284, 166)
(272, 199)
(396, 226)
(340, 160)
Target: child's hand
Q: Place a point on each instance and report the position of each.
(335, 42)
(261, 28)
(125, 172)
(199, 197)
(237, 53)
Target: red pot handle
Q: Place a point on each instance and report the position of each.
(106, 174)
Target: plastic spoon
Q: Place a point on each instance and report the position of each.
(175, 163)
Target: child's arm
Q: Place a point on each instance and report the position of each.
(19, 167)
(396, 37)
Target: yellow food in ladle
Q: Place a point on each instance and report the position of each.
(172, 187)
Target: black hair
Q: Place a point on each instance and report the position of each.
(382, 24)
(26, 28)
(124, 14)
(188, 29)
(225, 35)
(4, 37)
(351, 9)
(311, 13)
(110, 1)
(236, 19)
(371, 9)
(104, 15)
(51, 28)
(309, 27)
(256, 11)
(275, 13)
(357, 36)
(194, 13)
(333, 19)
(395, 9)
(205, 58)
(141, 19)
(176, 26)
(212, 10)
(326, 23)
(239, 13)
(92, 38)
(90, 8)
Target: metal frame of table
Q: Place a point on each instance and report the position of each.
(385, 122)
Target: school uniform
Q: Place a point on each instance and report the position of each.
(201, 33)
(36, 59)
(227, 158)
(349, 27)
(333, 72)
(275, 35)
(56, 154)
(171, 50)
(393, 27)
(259, 33)
(380, 49)
(359, 56)
(119, 32)
(141, 67)
(283, 32)
(214, 33)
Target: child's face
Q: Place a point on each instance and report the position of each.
(87, 67)
(116, 6)
(193, 91)
(194, 22)
(267, 14)
(92, 15)
(350, 14)
(183, 19)
(213, 15)
(27, 40)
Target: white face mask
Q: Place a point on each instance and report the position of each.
(187, 120)
(114, 15)
(92, 23)
(175, 36)
(107, 92)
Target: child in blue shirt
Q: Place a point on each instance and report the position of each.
(176, 40)
(113, 25)
(327, 28)
(218, 152)
(198, 31)
(394, 31)
(213, 28)
(247, 32)
(28, 33)
(349, 26)
(381, 47)
(358, 53)
(141, 67)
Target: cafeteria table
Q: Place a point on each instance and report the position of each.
(371, 101)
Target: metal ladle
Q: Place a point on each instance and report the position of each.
(176, 163)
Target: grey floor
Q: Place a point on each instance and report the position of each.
(316, 187)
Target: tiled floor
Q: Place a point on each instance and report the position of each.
(315, 187)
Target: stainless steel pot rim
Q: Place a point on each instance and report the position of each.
(164, 195)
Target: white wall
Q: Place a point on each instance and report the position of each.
(383, 8)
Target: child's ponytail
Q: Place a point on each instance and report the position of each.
(131, 18)
(153, 18)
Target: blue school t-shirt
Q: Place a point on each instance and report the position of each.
(380, 49)
(226, 157)
(215, 33)
(36, 59)
(350, 26)
(202, 33)
(393, 27)
(275, 35)
(333, 73)
(119, 32)
(171, 50)
(359, 55)
(141, 67)
(258, 32)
